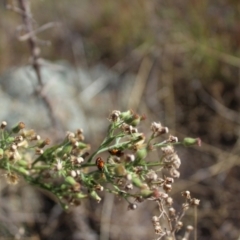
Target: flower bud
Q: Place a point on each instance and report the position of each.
(135, 120)
(64, 187)
(146, 193)
(141, 154)
(126, 115)
(187, 142)
(22, 163)
(81, 195)
(137, 182)
(23, 171)
(99, 177)
(42, 144)
(18, 127)
(70, 180)
(66, 150)
(95, 196)
(120, 170)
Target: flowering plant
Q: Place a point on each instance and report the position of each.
(71, 172)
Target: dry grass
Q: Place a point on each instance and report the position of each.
(172, 47)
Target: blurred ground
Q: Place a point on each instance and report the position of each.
(175, 61)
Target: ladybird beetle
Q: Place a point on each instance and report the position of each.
(115, 152)
(100, 163)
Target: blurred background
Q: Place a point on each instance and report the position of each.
(177, 62)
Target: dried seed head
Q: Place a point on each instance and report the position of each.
(129, 129)
(160, 182)
(28, 133)
(35, 138)
(79, 135)
(172, 212)
(79, 160)
(129, 186)
(114, 116)
(158, 129)
(72, 140)
(172, 139)
(174, 173)
(163, 130)
(132, 206)
(176, 161)
(155, 127)
(155, 219)
(151, 175)
(172, 159)
(167, 187)
(185, 206)
(115, 159)
(130, 158)
(13, 155)
(169, 201)
(129, 177)
(99, 188)
(167, 150)
(12, 178)
(3, 124)
(39, 151)
(158, 194)
(58, 165)
(73, 173)
(195, 202)
(23, 144)
(18, 139)
(186, 194)
(76, 160)
(179, 225)
(13, 147)
(158, 230)
(70, 135)
(79, 131)
(169, 180)
(189, 228)
(76, 187)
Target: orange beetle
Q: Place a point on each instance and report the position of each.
(100, 163)
(116, 152)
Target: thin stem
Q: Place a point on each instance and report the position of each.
(195, 222)
(24, 6)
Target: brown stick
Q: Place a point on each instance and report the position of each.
(24, 5)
